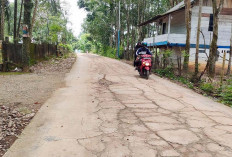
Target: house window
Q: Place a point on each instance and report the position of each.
(164, 28)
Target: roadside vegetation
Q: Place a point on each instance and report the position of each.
(101, 27)
(28, 28)
(223, 93)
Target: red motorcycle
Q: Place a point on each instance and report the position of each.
(145, 65)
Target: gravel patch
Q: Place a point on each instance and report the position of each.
(21, 96)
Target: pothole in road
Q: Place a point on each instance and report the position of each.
(104, 82)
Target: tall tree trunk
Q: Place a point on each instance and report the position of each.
(20, 17)
(2, 20)
(112, 23)
(171, 2)
(198, 40)
(116, 25)
(139, 20)
(230, 55)
(8, 20)
(28, 5)
(188, 35)
(128, 30)
(15, 20)
(2, 28)
(34, 16)
(213, 46)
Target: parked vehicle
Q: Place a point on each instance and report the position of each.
(145, 65)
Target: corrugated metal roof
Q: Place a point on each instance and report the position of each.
(178, 7)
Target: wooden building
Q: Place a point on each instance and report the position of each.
(171, 28)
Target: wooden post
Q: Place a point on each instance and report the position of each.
(1, 54)
(169, 24)
(223, 67)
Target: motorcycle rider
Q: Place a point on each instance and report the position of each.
(138, 46)
(141, 51)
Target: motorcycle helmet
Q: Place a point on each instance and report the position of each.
(144, 44)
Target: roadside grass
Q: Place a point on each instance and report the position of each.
(24, 110)
(12, 73)
(109, 52)
(222, 93)
(169, 73)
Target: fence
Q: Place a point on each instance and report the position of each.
(13, 52)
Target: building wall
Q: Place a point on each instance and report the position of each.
(227, 3)
(202, 58)
(178, 27)
(178, 23)
(224, 31)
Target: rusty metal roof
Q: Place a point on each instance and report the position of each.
(178, 7)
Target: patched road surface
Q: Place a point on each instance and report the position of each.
(107, 110)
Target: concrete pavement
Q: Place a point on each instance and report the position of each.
(107, 110)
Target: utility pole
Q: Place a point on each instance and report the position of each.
(119, 27)
(223, 67)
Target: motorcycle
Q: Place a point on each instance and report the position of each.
(145, 65)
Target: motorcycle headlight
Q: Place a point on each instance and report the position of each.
(147, 64)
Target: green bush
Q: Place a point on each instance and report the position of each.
(167, 72)
(207, 87)
(66, 46)
(110, 52)
(227, 95)
(183, 80)
(229, 81)
(190, 85)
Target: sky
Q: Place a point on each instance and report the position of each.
(75, 15)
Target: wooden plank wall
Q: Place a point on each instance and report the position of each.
(227, 3)
(178, 23)
(13, 52)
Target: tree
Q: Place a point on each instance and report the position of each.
(230, 55)
(49, 24)
(2, 20)
(102, 20)
(188, 13)
(198, 40)
(20, 17)
(213, 46)
(28, 5)
(85, 43)
(15, 19)
(34, 16)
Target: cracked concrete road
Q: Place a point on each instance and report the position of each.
(106, 110)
